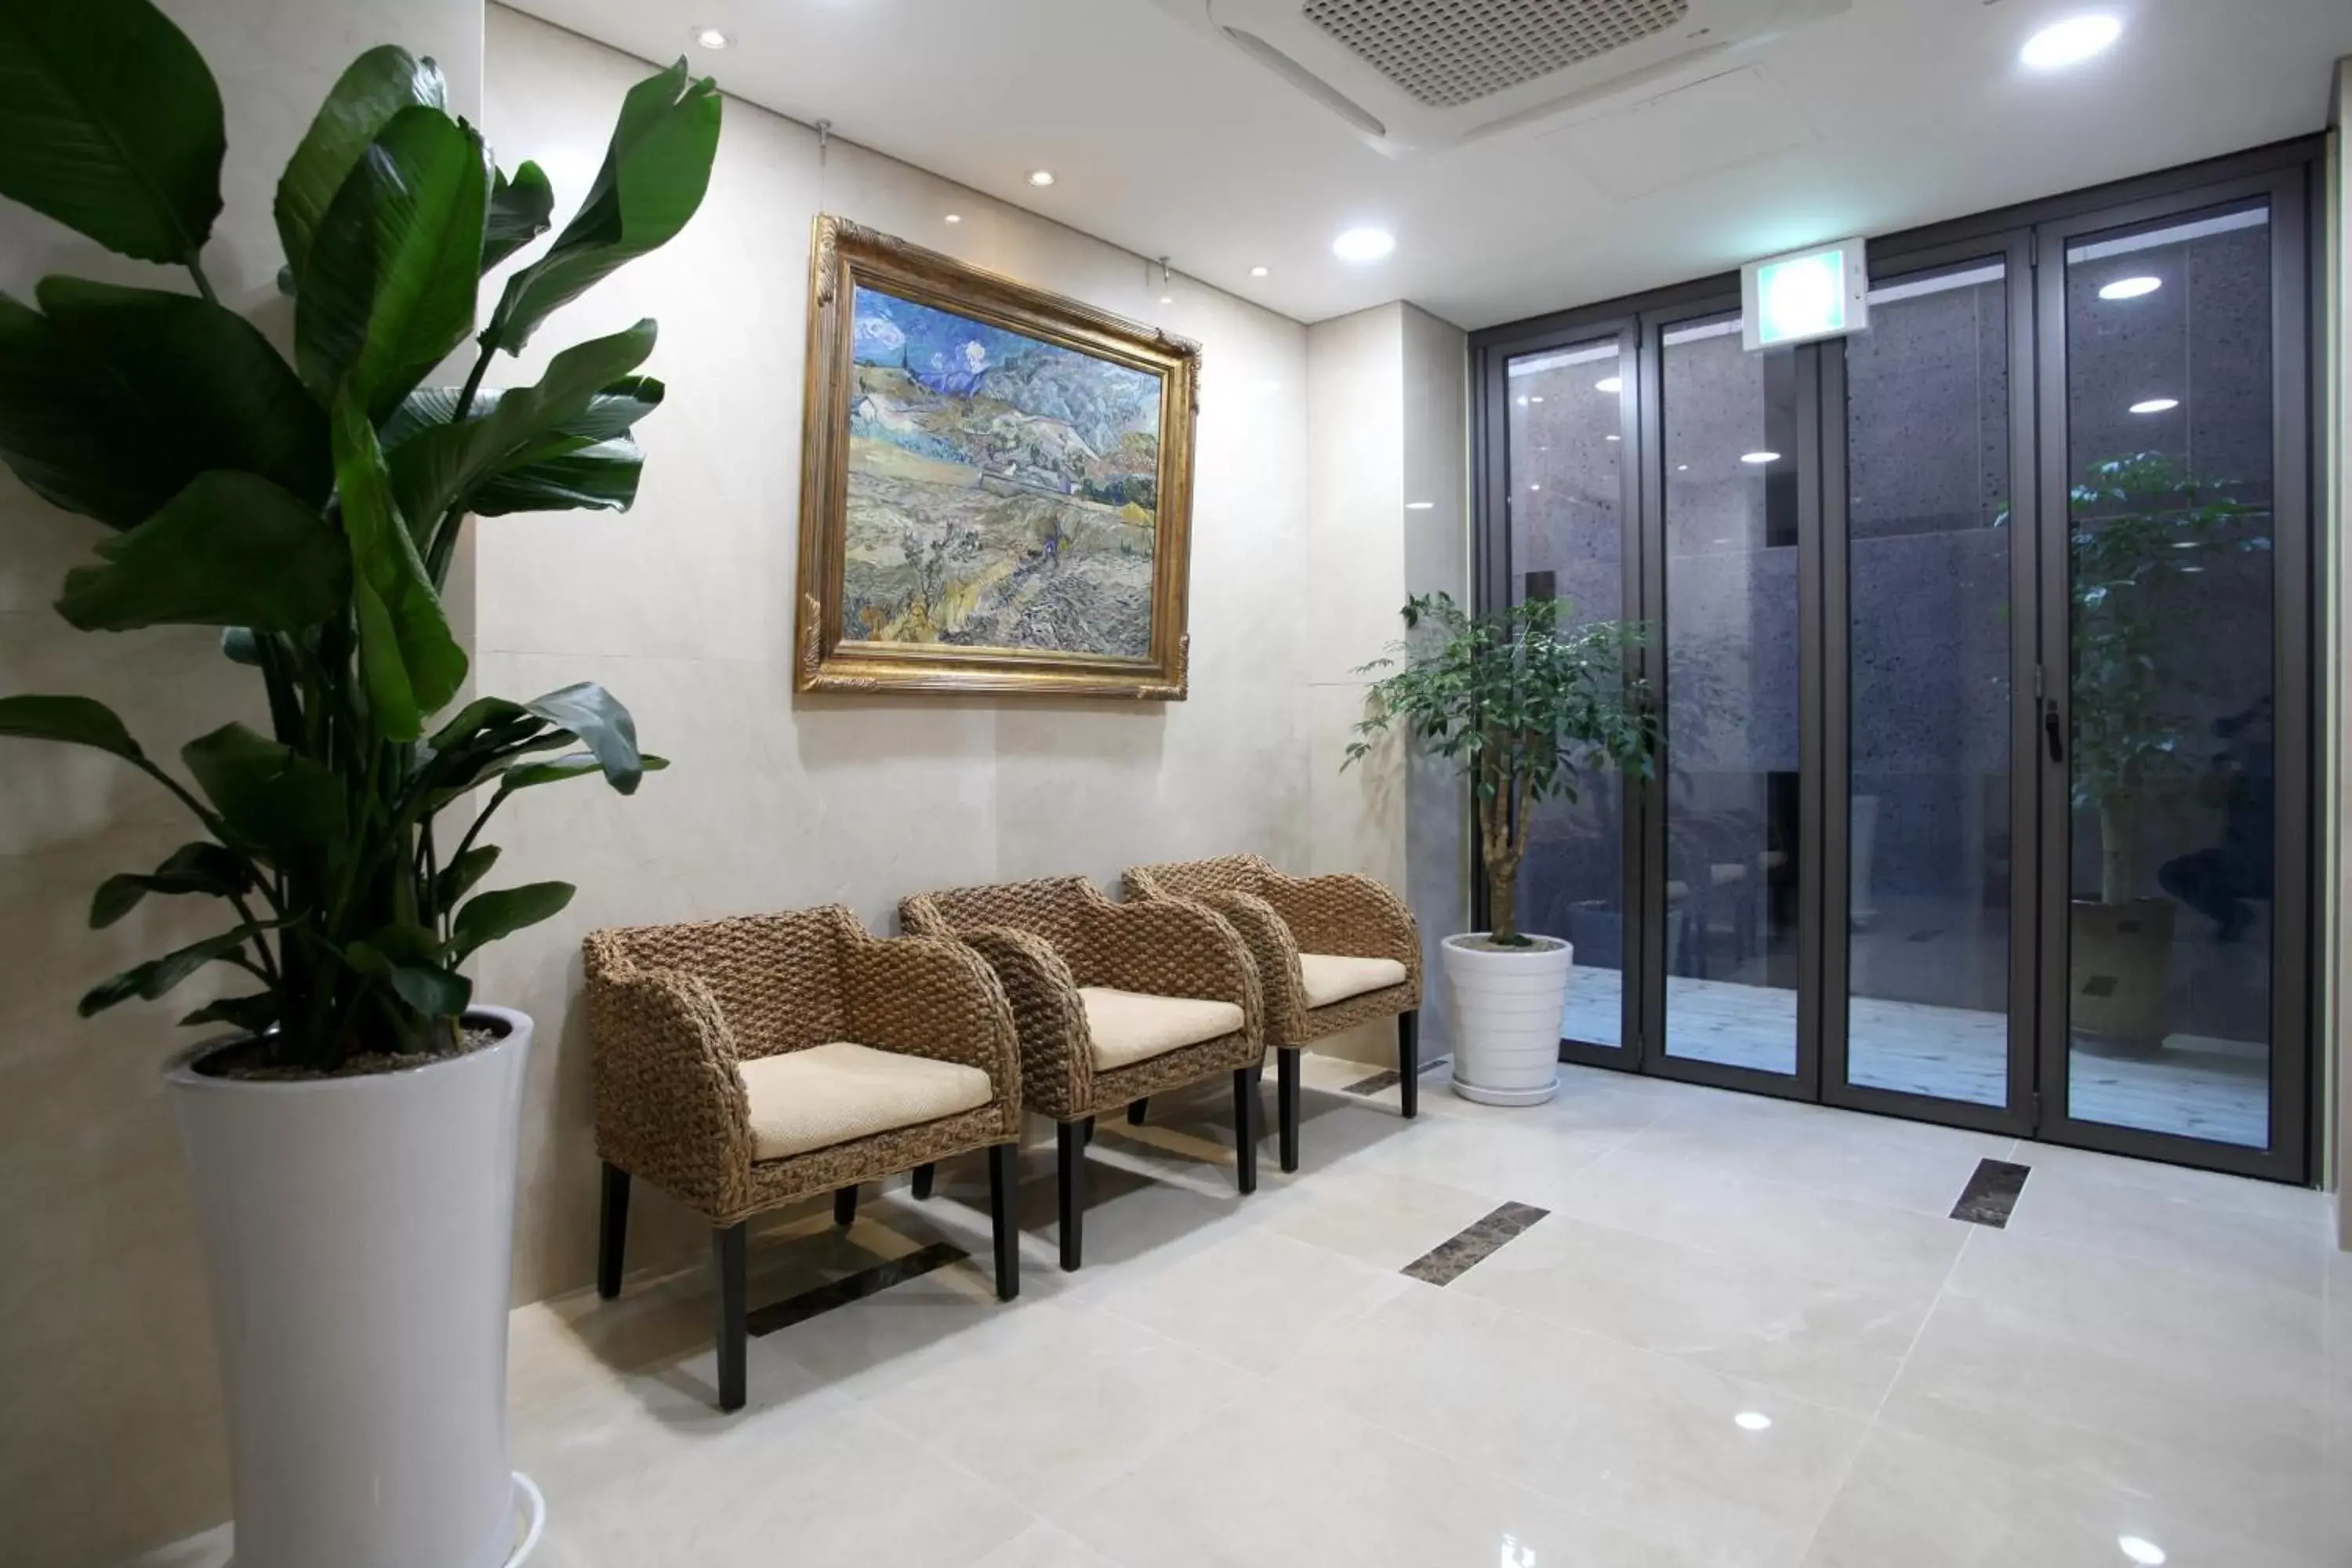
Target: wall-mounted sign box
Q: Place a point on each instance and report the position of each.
(1807, 294)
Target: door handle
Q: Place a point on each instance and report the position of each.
(2053, 733)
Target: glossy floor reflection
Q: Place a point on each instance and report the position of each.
(1745, 1335)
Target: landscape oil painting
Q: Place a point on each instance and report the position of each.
(995, 499)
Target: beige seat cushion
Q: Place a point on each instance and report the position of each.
(1128, 1027)
(830, 1094)
(1334, 977)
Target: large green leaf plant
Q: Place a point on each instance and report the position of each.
(2142, 531)
(311, 509)
(1524, 704)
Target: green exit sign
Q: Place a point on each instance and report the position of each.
(1807, 294)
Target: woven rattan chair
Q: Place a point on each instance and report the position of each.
(742, 1063)
(1114, 1003)
(1332, 952)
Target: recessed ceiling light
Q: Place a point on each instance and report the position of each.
(1759, 457)
(1419, 505)
(1523, 402)
(711, 39)
(1682, 468)
(1612, 437)
(1751, 1421)
(1041, 178)
(2130, 288)
(2155, 405)
(1538, 398)
(1168, 299)
(1257, 271)
(1610, 384)
(1534, 487)
(955, 217)
(2070, 42)
(1363, 244)
(2140, 1549)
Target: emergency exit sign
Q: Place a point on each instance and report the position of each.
(1804, 295)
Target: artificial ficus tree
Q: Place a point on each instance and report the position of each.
(1524, 704)
(310, 508)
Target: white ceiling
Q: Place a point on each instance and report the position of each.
(1166, 141)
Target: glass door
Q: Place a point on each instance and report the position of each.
(1927, 998)
(1565, 434)
(2179, 591)
(1727, 915)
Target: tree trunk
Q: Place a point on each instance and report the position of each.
(2118, 852)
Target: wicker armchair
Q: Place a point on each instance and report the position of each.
(742, 1063)
(1114, 1003)
(1332, 952)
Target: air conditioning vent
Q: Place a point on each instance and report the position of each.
(1447, 53)
(1415, 77)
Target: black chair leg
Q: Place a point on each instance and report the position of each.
(611, 1231)
(845, 1205)
(1135, 1111)
(924, 1176)
(1004, 1215)
(726, 1264)
(1245, 1129)
(1090, 1131)
(1286, 1083)
(1409, 1061)
(1070, 1157)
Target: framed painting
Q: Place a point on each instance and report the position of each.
(996, 483)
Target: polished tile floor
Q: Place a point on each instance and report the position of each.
(1743, 1335)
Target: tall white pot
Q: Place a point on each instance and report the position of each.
(1506, 1009)
(357, 1233)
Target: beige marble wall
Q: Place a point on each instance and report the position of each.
(110, 1427)
(684, 607)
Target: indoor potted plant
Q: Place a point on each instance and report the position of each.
(352, 1142)
(1523, 704)
(2141, 531)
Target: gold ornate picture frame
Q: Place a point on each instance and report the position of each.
(996, 483)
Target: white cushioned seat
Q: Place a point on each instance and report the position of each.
(1129, 1027)
(1334, 977)
(829, 1094)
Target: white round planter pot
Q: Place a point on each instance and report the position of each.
(357, 1233)
(1506, 1009)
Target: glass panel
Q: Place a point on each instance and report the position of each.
(1568, 540)
(1928, 849)
(1731, 681)
(2169, 433)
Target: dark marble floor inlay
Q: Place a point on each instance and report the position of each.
(1377, 1082)
(1991, 1193)
(851, 1287)
(1450, 1258)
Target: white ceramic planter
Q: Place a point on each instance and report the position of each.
(1506, 1009)
(357, 1233)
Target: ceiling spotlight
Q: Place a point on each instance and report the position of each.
(1759, 457)
(1041, 178)
(1612, 437)
(2130, 288)
(1610, 384)
(1419, 505)
(1363, 244)
(2155, 405)
(1538, 398)
(711, 39)
(1751, 1421)
(955, 217)
(1536, 487)
(1168, 299)
(1257, 271)
(2070, 42)
(2140, 1549)
(1682, 468)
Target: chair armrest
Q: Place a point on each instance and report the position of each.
(925, 996)
(1273, 955)
(1348, 914)
(1057, 1064)
(1170, 948)
(670, 1106)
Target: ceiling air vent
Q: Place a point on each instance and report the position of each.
(1447, 53)
(1416, 76)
